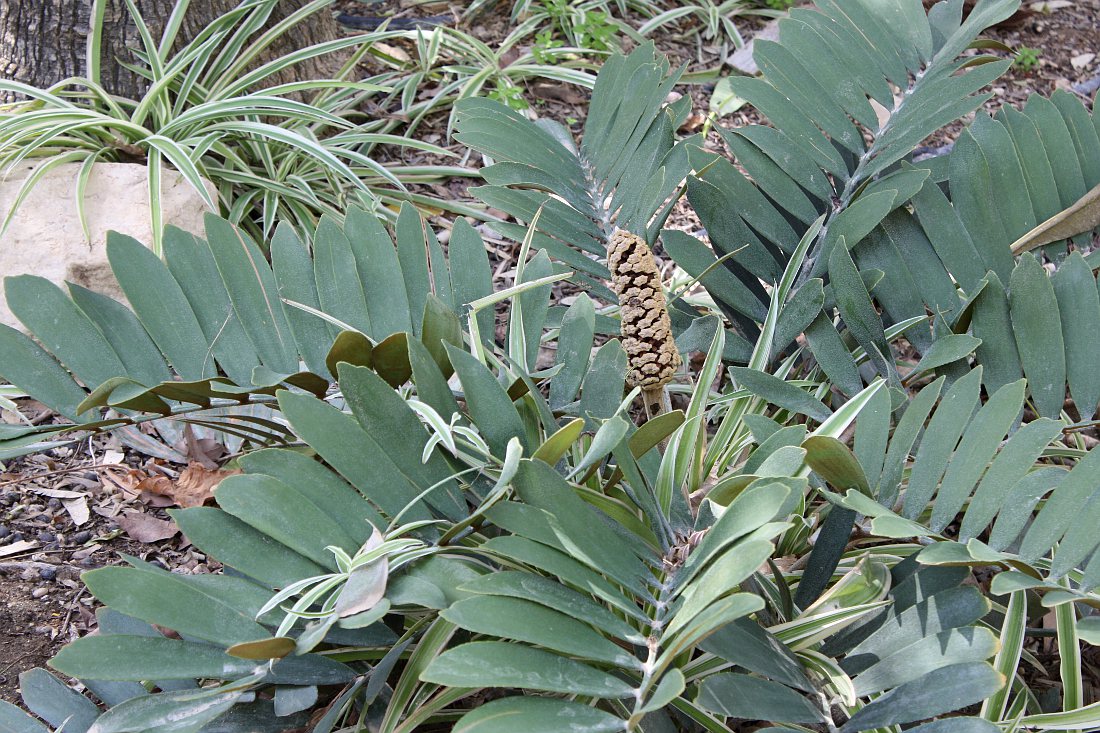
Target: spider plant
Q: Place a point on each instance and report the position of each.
(709, 21)
(445, 65)
(215, 111)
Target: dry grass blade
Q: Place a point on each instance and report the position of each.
(1083, 216)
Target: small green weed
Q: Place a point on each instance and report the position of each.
(509, 94)
(583, 26)
(544, 44)
(597, 32)
(1027, 59)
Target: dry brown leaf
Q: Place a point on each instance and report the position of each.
(206, 451)
(1082, 60)
(509, 57)
(693, 122)
(1082, 217)
(125, 481)
(882, 113)
(75, 502)
(16, 547)
(194, 487)
(77, 509)
(146, 528)
(158, 501)
(392, 51)
(57, 493)
(85, 552)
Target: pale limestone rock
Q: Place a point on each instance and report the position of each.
(45, 237)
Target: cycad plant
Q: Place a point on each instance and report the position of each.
(938, 236)
(628, 163)
(611, 582)
(646, 609)
(863, 517)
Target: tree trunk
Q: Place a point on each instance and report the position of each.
(44, 41)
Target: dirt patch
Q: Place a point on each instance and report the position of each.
(43, 605)
(1067, 45)
(62, 513)
(26, 638)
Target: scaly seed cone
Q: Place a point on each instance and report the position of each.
(646, 329)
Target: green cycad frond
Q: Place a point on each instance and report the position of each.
(233, 328)
(1008, 488)
(638, 638)
(627, 165)
(880, 81)
(950, 252)
(932, 236)
(834, 147)
(599, 611)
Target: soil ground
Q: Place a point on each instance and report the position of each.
(99, 511)
(46, 540)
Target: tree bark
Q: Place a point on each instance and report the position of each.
(43, 42)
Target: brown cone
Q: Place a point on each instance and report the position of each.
(646, 329)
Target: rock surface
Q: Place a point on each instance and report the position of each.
(45, 237)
